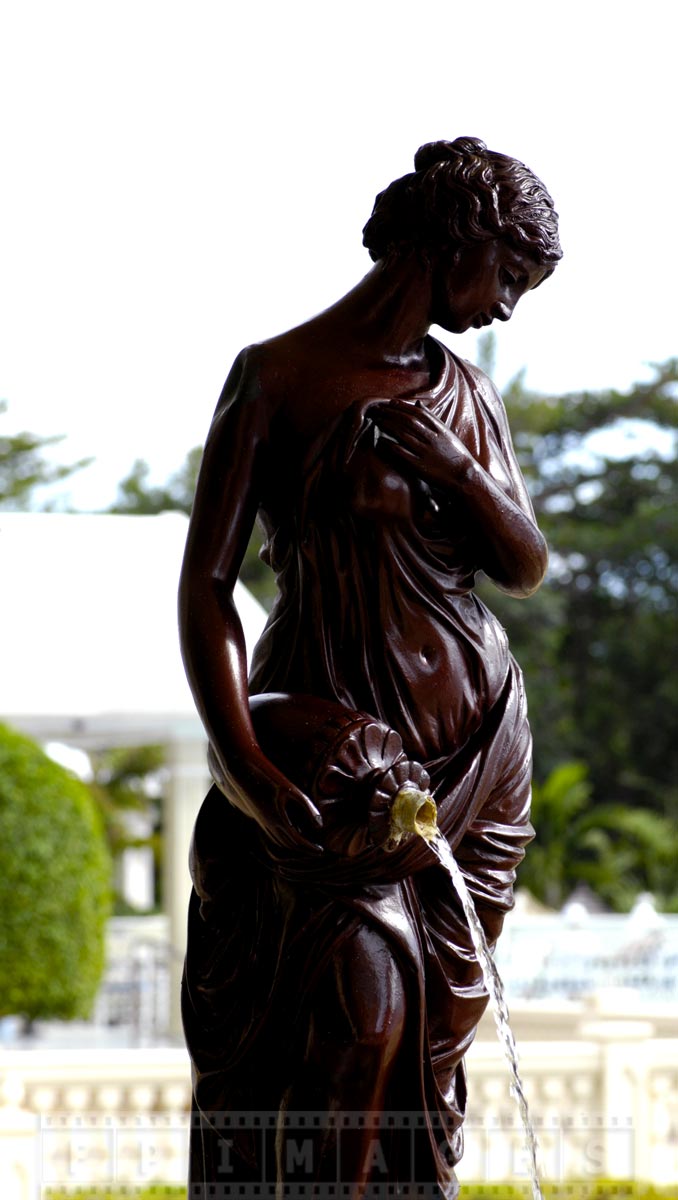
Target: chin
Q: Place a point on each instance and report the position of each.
(453, 324)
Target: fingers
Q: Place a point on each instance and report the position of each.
(409, 433)
(296, 803)
(404, 412)
(291, 797)
(404, 424)
(392, 428)
(287, 837)
(298, 821)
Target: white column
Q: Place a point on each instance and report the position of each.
(189, 784)
(625, 1112)
(18, 1142)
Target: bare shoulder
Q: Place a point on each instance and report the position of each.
(253, 390)
(264, 373)
(255, 373)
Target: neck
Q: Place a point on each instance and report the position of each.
(389, 312)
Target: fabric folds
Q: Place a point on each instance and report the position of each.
(376, 611)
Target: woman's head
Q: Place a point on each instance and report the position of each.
(459, 194)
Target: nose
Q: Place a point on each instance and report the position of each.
(502, 311)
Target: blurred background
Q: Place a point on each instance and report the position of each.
(179, 181)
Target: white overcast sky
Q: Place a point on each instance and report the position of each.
(180, 179)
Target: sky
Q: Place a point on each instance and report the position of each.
(182, 179)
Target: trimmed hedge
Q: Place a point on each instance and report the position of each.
(55, 886)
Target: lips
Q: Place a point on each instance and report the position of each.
(481, 321)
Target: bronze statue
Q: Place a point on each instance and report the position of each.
(327, 972)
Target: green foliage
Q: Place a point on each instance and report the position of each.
(616, 851)
(54, 886)
(598, 643)
(23, 468)
(137, 496)
(128, 780)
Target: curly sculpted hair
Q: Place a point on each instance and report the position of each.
(460, 193)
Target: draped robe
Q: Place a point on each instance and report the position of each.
(376, 610)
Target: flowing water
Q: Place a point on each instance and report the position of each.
(495, 987)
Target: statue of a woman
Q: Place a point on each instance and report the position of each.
(326, 973)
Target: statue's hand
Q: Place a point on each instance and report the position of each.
(293, 821)
(412, 436)
(286, 816)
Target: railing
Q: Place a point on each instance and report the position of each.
(605, 1103)
(135, 993)
(93, 1117)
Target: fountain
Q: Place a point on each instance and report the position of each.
(329, 969)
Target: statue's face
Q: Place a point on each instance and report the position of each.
(484, 282)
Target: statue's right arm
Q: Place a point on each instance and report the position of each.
(236, 457)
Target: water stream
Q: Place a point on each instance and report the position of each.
(495, 987)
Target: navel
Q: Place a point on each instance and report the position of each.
(428, 655)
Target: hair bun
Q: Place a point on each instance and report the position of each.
(433, 153)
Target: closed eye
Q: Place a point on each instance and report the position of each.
(507, 278)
